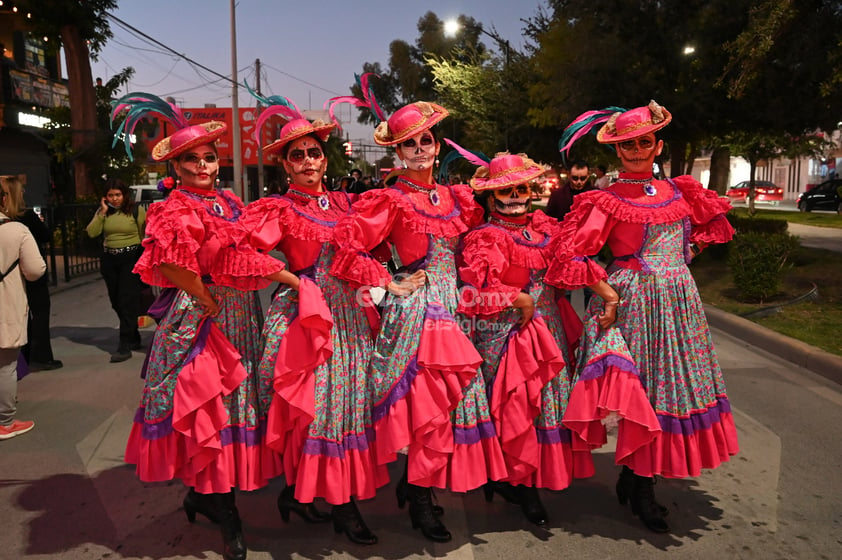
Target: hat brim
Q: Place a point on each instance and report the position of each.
(321, 132)
(438, 115)
(214, 130)
(507, 180)
(604, 136)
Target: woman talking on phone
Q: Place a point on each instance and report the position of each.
(121, 225)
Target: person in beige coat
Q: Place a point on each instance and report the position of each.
(19, 259)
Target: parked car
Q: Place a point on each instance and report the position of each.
(146, 193)
(764, 191)
(824, 196)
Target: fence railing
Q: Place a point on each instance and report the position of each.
(71, 251)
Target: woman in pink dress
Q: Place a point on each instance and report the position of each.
(429, 399)
(653, 228)
(199, 418)
(317, 339)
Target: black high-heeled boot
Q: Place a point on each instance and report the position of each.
(422, 516)
(644, 506)
(233, 543)
(530, 504)
(199, 503)
(347, 519)
(625, 487)
(307, 512)
(401, 492)
(504, 489)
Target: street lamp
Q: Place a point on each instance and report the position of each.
(452, 27)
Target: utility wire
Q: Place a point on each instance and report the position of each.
(162, 45)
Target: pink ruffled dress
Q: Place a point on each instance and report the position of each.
(199, 418)
(526, 368)
(317, 346)
(429, 397)
(661, 320)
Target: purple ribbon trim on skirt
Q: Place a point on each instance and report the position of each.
(483, 430)
(200, 342)
(162, 304)
(550, 436)
(437, 312)
(314, 446)
(398, 391)
(597, 368)
(697, 422)
(228, 435)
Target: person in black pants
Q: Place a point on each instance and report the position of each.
(121, 223)
(38, 351)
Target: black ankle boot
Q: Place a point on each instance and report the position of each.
(644, 506)
(530, 504)
(199, 503)
(233, 543)
(422, 515)
(307, 512)
(504, 489)
(401, 492)
(625, 487)
(347, 519)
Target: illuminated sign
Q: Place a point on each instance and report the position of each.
(29, 119)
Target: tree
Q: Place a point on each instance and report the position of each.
(106, 160)
(81, 27)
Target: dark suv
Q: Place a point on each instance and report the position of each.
(824, 196)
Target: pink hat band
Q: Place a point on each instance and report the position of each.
(408, 121)
(506, 170)
(633, 123)
(187, 138)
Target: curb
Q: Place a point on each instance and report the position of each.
(799, 353)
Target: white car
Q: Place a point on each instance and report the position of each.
(146, 193)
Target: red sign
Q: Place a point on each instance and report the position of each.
(248, 116)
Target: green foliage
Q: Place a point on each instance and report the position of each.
(105, 160)
(90, 16)
(757, 262)
(753, 224)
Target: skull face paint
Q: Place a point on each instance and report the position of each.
(419, 152)
(512, 201)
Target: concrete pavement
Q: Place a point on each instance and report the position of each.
(66, 493)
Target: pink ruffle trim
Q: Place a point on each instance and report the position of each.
(359, 267)
(337, 480)
(194, 450)
(532, 359)
(679, 456)
(572, 274)
(471, 466)
(616, 389)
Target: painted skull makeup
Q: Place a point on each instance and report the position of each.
(419, 152)
(512, 201)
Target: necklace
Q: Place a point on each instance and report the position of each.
(434, 195)
(323, 200)
(511, 226)
(648, 188)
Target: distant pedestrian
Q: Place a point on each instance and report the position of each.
(20, 260)
(602, 180)
(120, 223)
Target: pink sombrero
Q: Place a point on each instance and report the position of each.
(506, 170)
(187, 138)
(408, 121)
(633, 123)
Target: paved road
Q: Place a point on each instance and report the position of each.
(65, 492)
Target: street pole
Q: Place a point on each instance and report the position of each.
(235, 112)
(257, 134)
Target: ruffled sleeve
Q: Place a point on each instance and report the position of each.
(485, 257)
(174, 235)
(472, 213)
(583, 232)
(262, 220)
(707, 212)
(358, 234)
